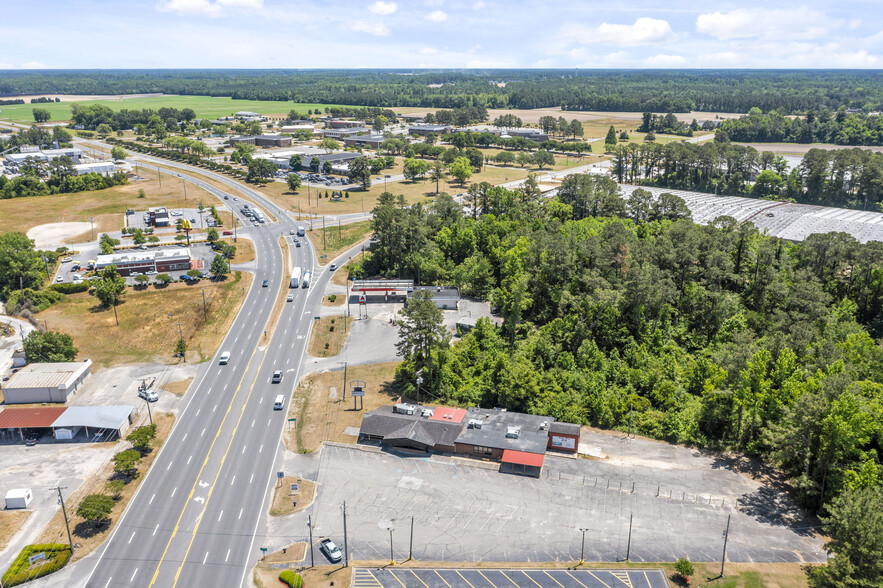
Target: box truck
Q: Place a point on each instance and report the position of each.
(295, 278)
(306, 281)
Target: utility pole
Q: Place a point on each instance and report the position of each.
(411, 545)
(630, 421)
(582, 547)
(323, 231)
(64, 512)
(346, 551)
(92, 221)
(184, 182)
(338, 229)
(726, 537)
(628, 548)
(344, 375)
(392, 559)
(310, 527)
(147, 402)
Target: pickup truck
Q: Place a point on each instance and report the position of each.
(332, 551)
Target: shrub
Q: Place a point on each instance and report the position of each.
(21, 571)
(293, 580)
(684, 568)
(332, 298)
(71, 288)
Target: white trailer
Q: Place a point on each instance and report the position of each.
(18, 498)
(306, 282)
(301, 231)
(295, 278)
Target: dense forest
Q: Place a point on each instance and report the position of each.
(819, 126)
(623, 309)
(846, 178)
(787, 92)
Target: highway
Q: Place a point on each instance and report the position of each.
(193, 520)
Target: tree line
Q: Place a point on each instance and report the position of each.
(818, 126)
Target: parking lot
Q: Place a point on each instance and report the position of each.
(138, 220)
(466, 510)
(498, 578)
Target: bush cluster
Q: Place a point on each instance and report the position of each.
(21, 571)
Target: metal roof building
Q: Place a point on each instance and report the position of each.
(97, 418)
(46, 382)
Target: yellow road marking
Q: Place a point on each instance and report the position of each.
(529, 578)
(486, 578)
(193, 489)
(599, 579)
(418, 578)
(464, 579)
(554, 580)
(221, 467)
(647, 579)
(442, 579)
(575, 578)
(397, 578)
(623, 577)
(507, 577)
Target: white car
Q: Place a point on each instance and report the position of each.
(290, 297)
(331, 550)
(148, 394)
(225, 358)
(59, 279)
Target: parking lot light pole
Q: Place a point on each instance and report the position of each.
(582, 548)
(92, 221)
(392, 559)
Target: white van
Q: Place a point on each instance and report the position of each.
(225, 357)
(279, 402)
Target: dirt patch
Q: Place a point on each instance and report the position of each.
(334, 300)
(291, 554)
(318, 577)
(85, 543)
(149, 320)
(52, 235)
(280, 297)
(178, 388)
(333, 241)
(285, 503)
(10, 522)
(328, 335)
(326, 416)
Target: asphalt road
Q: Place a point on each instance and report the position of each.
(192, 521)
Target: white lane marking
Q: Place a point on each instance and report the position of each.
(203, 433)
(188, 459)
(108, 582)
(269, 422)
(220, 515)
(155, 530)
(197, 412)
(261, 400)
(262, 448)
(225, 386)
(175, 490)
(185, 437)
(240, 513)
(132, 537)
(251, 478)
(169, 466)
(151, 498)
(243, 448)
(252, 422)
(236, 339)
(133, 575)
(233, 480)
(205, 558)
(226, 558)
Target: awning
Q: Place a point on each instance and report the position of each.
(38, 417)
(523, 458)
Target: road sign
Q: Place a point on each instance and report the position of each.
(357, 393)
(264, 549)
(315, 318)
(36, 557)
(292, 419)
(280, 475)
(294, 488)
(362, 299)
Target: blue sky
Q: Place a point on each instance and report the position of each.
(440, 33)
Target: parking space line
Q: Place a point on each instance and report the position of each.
(553, 579)
(464, 579)
(396, 578)
(529, 578)
(442, 579)
(418, 578)
(508, 578)
(599, 579)
(575, 578)
(486, 578)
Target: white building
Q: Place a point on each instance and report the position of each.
(98, 167)
(46, 382)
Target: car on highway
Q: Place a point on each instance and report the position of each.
(226, 197)
(225, 358)
(297, 244)
(148, 394)
(332, 267)
(290, 297)
(235, 199)
(266, 283)
(331, 551)
(277, 376)
(291, 232)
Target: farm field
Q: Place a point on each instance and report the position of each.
(203, 106)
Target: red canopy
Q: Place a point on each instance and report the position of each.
(523, 458)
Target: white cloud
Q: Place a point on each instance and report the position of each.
(378, 29)
(478, 5)
(799, 23)
(33, 65)
(645, 31)
(428, 51)
(544, 63)
(208, 7)
(723, 59)
(437, 16)
(487, 64)
(381, 7)
(433, 2)
(664, 61)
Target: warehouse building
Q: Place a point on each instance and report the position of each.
(427, 129)
(98, 167)
(46, 382)
(344, 124)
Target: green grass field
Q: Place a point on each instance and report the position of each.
(204, 106)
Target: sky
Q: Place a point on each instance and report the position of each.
(584, 34)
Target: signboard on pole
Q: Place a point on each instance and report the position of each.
(32, 559)
(362, 299)
(280, 475)
(357, 393)
(294, 488)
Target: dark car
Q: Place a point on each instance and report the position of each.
(297, 244)
(266, 283)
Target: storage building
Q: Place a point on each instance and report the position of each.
(18, 498)
(46, 382)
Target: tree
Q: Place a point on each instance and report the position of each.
(315, 162)
(623, 136)
(295, 162)
(326, 167)
(110, 287)
(576, 128)
(360, 171)
(103, 130)
(415, 168)
(212, 235)
(194, 273)
(650, 137)
(140, 437)
(180, 348)
(611, 136)
(524, 158)
(420, 330)
(461, 169)
(437, 173)
(41, 115)
(49, 347)
(220, 266)
(379, 123)
(138, 237)
(293, 181)
(684, 568)
(260, 169)
(855, 524)
(95, 508)
(126, 462)
(163, 278)
(117, 153)
(505, 158)
(329, 144)
(20, 265)
(543, 158)
(142, 280)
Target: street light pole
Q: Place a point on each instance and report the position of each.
(392, 559)
(92, 221)
(726, 537)
(582, 548)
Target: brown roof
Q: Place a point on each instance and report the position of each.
(564, 428)
(44, 416)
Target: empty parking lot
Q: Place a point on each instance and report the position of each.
(499, 578)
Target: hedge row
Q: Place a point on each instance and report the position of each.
(292, 579)
(71, 288)
(189, 158)
(21, 571)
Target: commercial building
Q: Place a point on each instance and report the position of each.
(263, 140)
(75, 154)
(526, 133)
(46, 382)
(159, 260)
(345, 132)
(370, 141)
(444, 297)
(98, 167)
(299, 127)
(338, 160)
(336, 123)
(411, 427)
(96, 423)
(426, 129)
(158, 216)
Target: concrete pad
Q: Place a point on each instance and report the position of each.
(52, 235)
